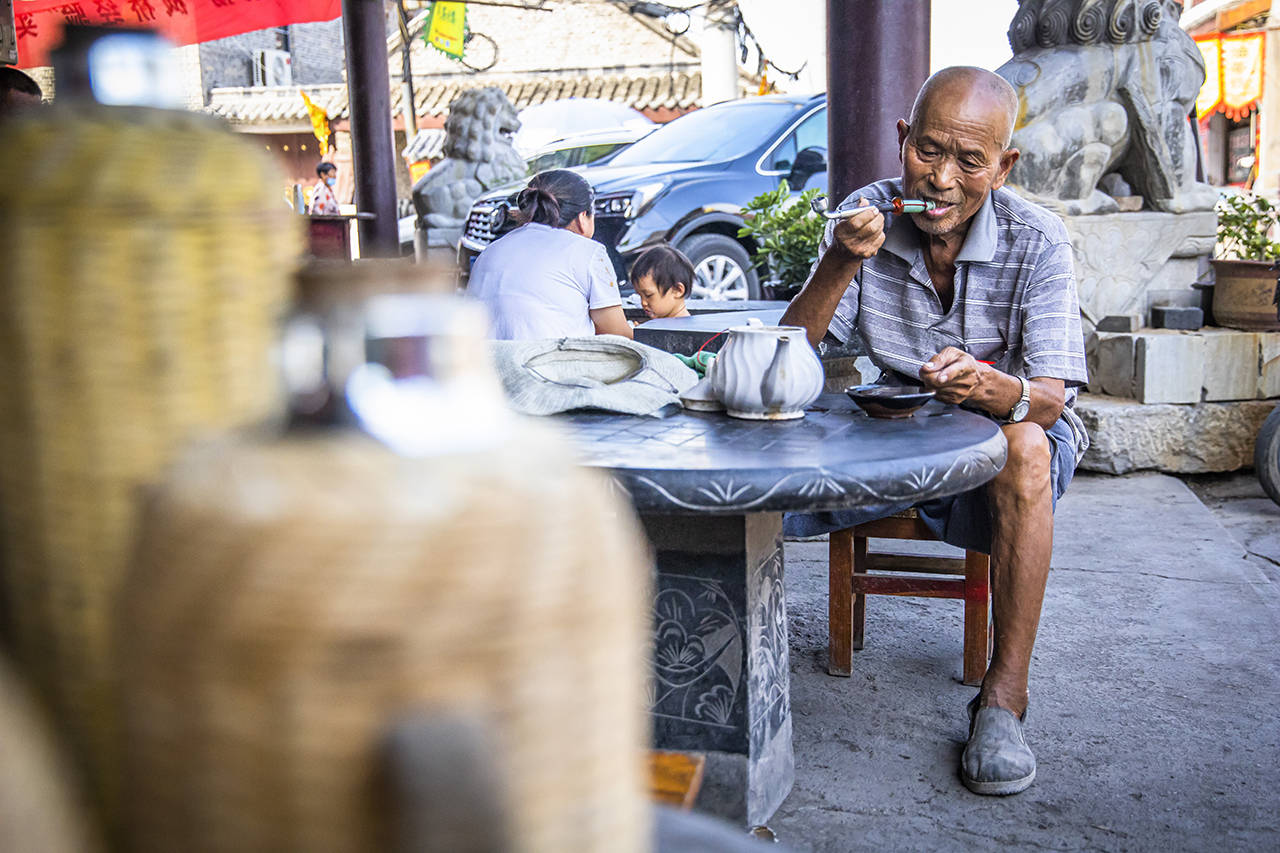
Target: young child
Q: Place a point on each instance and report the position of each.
(661, 278)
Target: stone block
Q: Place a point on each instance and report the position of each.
(1122, 259)
(1120, 323)
(1230, 365)
(1168, 367)
(1127, 436)
(1176, 317)
(1269, 359)
(1111, 363)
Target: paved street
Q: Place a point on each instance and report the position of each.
(1154, 690)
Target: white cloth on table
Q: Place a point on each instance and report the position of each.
(604, 372)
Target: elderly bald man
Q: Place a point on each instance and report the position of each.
(976, 300)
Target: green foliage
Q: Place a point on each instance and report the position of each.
(786, 232)
(1245, 225)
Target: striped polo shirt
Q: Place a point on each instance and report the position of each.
(1014, 302)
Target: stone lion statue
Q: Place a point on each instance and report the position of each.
(1105, 88)
(478, 157)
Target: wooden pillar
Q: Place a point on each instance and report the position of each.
(877, 58)
(372, 146)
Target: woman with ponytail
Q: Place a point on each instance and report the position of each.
(548, 278)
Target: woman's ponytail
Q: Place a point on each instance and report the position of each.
(555, 198)
(538, 205)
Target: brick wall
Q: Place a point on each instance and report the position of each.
(316, 50)
(318, 54)
(573, 36)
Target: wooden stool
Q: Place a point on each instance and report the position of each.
(851, 581)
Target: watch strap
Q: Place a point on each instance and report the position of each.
(1023, 404)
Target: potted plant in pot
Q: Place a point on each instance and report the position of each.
(786, 233)
(1246, 294)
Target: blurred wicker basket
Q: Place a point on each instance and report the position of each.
(293, 598)
(146, 261)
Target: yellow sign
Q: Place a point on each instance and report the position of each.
(447, 27)
(1232, 74)
(417, 170)
(1210, 97)
(1241, 73)
(319, 122)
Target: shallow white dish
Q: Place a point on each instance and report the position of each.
(700, 397)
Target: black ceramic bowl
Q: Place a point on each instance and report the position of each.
(889, 401)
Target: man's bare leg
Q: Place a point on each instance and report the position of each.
(997, 759)
(1021, 503)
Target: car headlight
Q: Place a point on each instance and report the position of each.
(618, 204)
(632, 203)
(645, 195)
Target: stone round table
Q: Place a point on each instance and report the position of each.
(711, 491)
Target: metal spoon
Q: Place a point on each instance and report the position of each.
(893, 205)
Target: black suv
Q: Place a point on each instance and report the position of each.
(686, 183)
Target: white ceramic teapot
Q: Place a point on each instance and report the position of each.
(766, 373)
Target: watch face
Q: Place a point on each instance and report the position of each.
(1020, 411)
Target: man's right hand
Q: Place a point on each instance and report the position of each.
(861, 235)
(853, 241)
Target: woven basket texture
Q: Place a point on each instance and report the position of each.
(292, 598)
(146, 263)
(38, 809)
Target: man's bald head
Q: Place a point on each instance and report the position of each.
(955, 150)
(964, 85)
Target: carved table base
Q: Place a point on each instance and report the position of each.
(721, 673)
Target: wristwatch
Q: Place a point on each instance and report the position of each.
(1023, 406)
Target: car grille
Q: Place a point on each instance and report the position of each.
(479, 228)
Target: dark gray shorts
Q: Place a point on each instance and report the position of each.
(963, 520)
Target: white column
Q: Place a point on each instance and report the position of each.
(188, 61)
(1268, 182)
(718, 45)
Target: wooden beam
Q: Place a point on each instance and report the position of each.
(1229, 18)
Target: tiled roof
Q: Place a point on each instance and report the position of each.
(641, 90)
(428, 144)
(266, 105)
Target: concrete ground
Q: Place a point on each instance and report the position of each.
(1153, 697)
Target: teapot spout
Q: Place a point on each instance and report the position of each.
(773, 388)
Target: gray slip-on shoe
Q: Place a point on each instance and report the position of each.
(996, 760)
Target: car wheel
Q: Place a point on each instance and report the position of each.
(1266, 455)
(722, 268)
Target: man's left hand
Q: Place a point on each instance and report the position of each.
(953, 375)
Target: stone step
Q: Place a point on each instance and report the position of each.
(1170, 366)
(1126, 435)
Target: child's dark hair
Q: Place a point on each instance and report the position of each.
(555, 198)
(325, 167)
(666, 265)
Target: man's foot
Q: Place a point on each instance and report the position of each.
(996, 760)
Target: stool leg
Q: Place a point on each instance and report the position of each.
(977, 628)
(859, 600)
(839, 599)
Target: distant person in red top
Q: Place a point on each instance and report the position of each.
(17, 91)
(323, 199)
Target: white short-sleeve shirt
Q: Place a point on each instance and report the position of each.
(541, 282)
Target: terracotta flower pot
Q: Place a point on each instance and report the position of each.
(1246, 294)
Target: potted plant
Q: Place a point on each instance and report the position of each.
(1246, 294)
(786, 233)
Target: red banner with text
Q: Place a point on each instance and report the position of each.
(39, 22)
